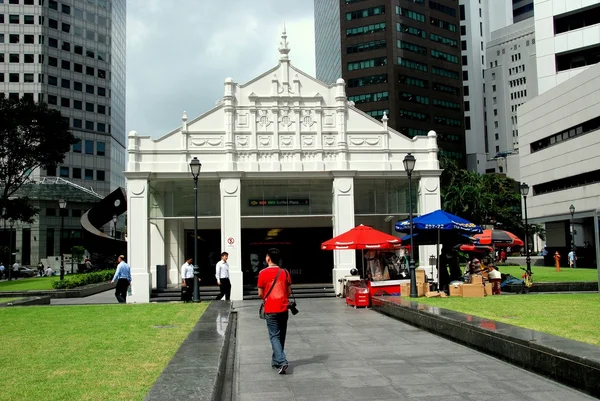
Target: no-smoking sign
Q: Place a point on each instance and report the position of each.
(230, 242)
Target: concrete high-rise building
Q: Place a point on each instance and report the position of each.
(399, 59)
(71, 55)
(328, 41)
(522, 9)
(567, 39)
(510, 80)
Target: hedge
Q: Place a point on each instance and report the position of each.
(84, 279)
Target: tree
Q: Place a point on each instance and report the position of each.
(481, 198)
(31, 136)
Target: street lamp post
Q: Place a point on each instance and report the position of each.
(409, 165)
(195, 167)
(572, 210)
(525, 192)
(115, 219)
(11, 223)
(62, 204)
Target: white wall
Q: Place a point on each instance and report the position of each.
(556, 110)
(548, 44)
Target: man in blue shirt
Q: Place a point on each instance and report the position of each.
(123, 278)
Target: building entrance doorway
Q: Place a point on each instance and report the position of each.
(300, 248)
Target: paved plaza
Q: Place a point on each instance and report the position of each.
(106, 297)
(340, 353)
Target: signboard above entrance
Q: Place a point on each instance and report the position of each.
(278, 202)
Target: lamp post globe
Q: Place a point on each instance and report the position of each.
(62, 204)
(195, 167)
(525, 191)
(572, 211)
(115, 219)
(409, 166)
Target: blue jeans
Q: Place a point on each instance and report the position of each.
(277, 327)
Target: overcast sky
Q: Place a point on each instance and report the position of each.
(179, 52)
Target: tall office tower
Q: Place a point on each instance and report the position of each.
(403, 58)
(327, 40)
(71, 55)
(523, 9)
(510, 80)
(474, 34)
(567, 39)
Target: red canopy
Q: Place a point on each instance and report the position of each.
(499, 238)
(362, 237)
(475, 248)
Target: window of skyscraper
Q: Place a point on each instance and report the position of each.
(89, 174)
(13, 38)
(89, 125)
(13, 77)
(64, 172)
(77, 145)
(89, 145)
(28, 58)
(66, 9)
(100, 175)
(52, 23)
(76, 173)
(28, 77)
(100, 149)
(65, 102)
(13, 19)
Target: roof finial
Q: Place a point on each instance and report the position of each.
(283, 46)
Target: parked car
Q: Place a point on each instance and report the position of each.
(27, 272)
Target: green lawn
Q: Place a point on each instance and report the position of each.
(33, 283)
(574, 316)
(6, 300)
(98, 352)
(549, 274)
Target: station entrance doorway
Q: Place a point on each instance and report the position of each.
(300, 246)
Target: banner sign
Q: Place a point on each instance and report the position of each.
(278, 202)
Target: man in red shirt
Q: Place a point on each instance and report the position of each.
(276, 305)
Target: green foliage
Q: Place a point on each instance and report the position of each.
(77, 253)
(481, 198)
(31, 136)
(84, 279)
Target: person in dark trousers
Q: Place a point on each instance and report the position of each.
(123, 278)
(187, 280)
(274, 287)
(222, 275)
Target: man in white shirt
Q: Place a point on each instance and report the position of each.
(187, 280)
(222, 275)
(1, 270)
(15, 270)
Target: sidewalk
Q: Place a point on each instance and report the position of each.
(106, 297)
(340, 353)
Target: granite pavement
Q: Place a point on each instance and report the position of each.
(337, 352)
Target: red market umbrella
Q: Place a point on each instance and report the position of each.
(475, 248)
(499, 238)
(362, 237)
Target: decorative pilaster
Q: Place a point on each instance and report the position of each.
(229, 109)
(343, 220)
(231, 231)
(138, 254)
(341, 109)
(428, 201)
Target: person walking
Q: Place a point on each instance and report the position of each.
(40, 267)
(187, 279)
(274, 287)
(123, 278)
(571, 256)
(222, 275)
(15, 270)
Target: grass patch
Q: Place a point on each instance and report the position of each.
(96, 352)
(7, 300)
(549, 274)
(33, 283)
(574, 316)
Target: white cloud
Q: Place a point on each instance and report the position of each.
(178, 57)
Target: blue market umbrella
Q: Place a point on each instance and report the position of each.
(438, 226)
(439, 220)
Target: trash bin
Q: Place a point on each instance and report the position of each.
(161, 276)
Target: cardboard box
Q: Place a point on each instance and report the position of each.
(488, 289)
(420, 276)
(476, 279)
(472, 291)
(456, 290)
(405, 289)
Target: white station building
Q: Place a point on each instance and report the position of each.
(287, 162)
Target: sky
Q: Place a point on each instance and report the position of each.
(179, 56)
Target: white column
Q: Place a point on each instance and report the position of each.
(429, 200)
(343, 220)
(231, 232)
(138, 236)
